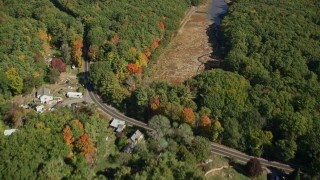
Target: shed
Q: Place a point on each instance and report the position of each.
(40, 109)
(8, 132)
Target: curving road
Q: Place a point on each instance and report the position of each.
(107, 109)
(215, 148)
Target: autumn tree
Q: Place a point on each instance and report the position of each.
(188, 115)
(155, 103)
(161, 25)
(58, 64)
(46, 38)
(253, 167)
(77, 52)
(134, 68)
(68, 136)
(85, 145)
(205, 121)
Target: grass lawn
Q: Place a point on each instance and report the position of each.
(236, 172)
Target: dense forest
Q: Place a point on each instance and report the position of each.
(263, 101)
(276, 47)
(125, 33)
(30, 34)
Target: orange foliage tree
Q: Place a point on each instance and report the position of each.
(77, 52)
(188, 115)
(134, 68)
(205, 121)
(155, 43)
(68, 136)
(147, 52)
(85, 145)
(161, 25)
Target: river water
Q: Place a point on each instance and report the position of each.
(216, 9)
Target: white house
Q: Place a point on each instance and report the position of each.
(8, 132)
(74, 95)
(118, 124)
(40, 109)
(44, 95)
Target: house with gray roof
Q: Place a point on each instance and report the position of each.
(44, 96)
(137, 136)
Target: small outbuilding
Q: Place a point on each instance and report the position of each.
(8, 132)
(40, 109)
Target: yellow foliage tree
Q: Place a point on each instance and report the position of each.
(46, 38)
(16, 84)
(217, 130)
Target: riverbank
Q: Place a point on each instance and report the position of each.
(179, 61)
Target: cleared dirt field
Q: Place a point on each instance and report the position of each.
(179, 61)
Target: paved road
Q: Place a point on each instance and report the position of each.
(215, 148)
(108, 109)
(228, 152)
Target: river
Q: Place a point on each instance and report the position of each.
(216, 9)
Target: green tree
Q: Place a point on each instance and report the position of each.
(16, 82)
(286, 149)
(200, 148)
(162, 126)
(54, 169)
(52, 75)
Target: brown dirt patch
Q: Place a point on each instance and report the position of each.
(179, 61)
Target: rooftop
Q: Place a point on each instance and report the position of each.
(8, 132)
(116, 122)
(136, 135)
(43, 91)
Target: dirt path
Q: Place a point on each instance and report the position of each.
(179, 61)
(216, 169)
